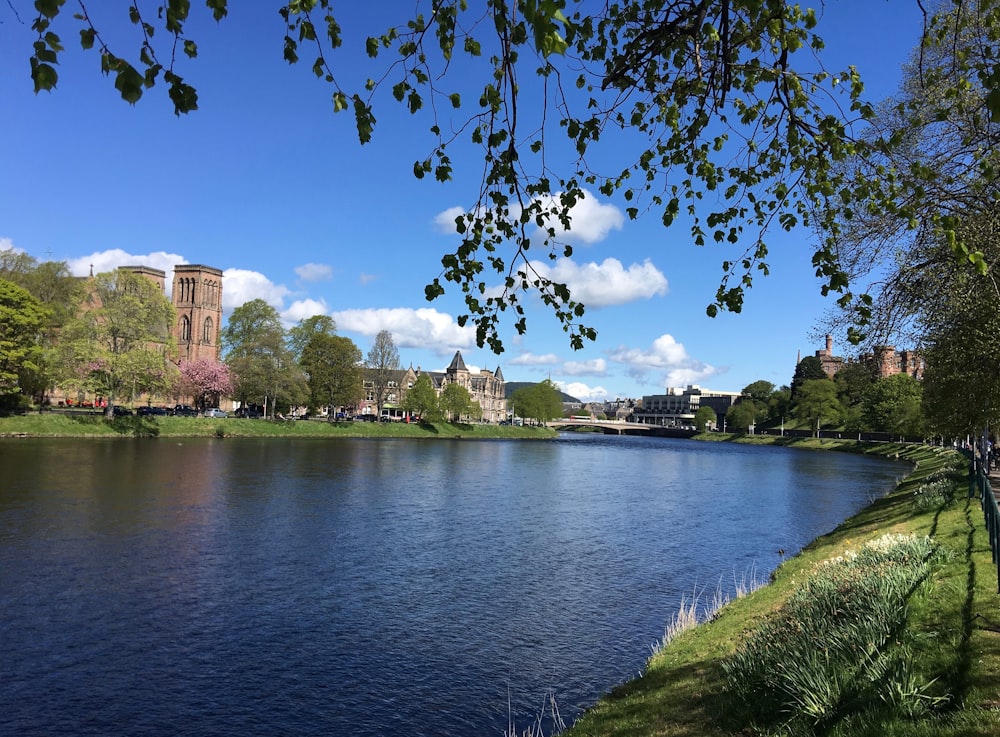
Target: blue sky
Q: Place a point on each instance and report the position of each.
(265, 183)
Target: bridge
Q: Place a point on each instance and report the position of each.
(619, 427)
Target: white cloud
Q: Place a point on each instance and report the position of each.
(366, 278)
(410, 328)
(444, 222)
(530, 359)
(666, 358)
(593, 367)
(607, 283)
(7, 244)
(239, 286)
(303, 308)
(590, 220)
(583, 392)
(102, 261)
(314, 272)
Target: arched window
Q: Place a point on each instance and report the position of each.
(185, 328)
(206, 334)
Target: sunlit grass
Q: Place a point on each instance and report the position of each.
(54, 424)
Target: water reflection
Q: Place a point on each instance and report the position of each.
(366, 587)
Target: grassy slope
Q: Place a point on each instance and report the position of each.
(954, 623)
(86, 425)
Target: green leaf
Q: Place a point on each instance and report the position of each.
(43, 75)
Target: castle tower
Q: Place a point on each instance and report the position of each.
(197, 298)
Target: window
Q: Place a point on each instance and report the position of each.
(206, 333)
(185, 328)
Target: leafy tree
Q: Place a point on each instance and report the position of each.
(22, 322)
(422, 401)
(383, 365)
(455, 401)
(932, 155)
(703, 417)
(254, 347)
(728, 94)
(333, 365)
(759, 391)
(741, 415)
(808, 368)
(206, 380)
(118, 346)
(892, 405)
(779, 405)
(540, 402)
(817, 403)
(299, 335)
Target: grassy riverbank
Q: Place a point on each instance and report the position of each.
(52, 424)
(758, 667)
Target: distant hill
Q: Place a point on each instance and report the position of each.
(513, 386)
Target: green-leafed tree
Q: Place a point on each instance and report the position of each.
(808, 368)
(22, 327)
(383, 366)
(759, 391)
(455, 401)
(704, 417)
(333, 366)
(422, 401)
(816, 403)
(540, 402)
(119, 344)
(779, 405)
(299, 335)
(730, 96)
(255, 349)
(740, 416)
(892, 405)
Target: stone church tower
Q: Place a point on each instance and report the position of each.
(197, 297)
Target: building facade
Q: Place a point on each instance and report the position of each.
(678, 407)
(487, 388)
(197, 298)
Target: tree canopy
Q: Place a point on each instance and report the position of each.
(383, 365)
(737, 130)
(333, 366)
(22, 320)
(255, 348)
(119, 344)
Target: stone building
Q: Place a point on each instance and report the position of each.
(831, 363)
(197, 300)
(885, 358)
(485, 387)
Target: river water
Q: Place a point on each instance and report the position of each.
(372, 587)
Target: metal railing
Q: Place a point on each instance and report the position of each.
(980, 486)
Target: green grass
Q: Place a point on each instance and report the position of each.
(52, 424)
(938, 674)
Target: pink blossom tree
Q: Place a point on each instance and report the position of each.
(206, 381)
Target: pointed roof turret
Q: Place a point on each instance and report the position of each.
(499, 374)
(457, 364)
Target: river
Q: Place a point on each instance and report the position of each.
(373, 587)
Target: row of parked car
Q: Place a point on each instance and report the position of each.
(180, 410)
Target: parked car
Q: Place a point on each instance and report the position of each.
(249, 413)
(150, 411)
(185, 410)
(215, 412)
(120, 411)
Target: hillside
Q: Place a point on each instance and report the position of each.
(513, 386)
